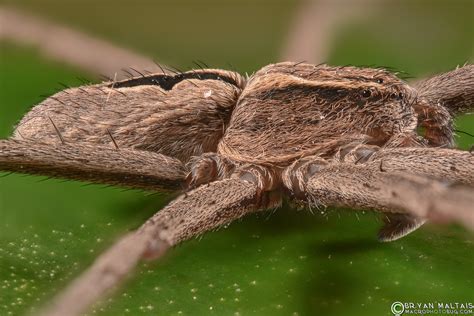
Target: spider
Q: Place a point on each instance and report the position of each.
(314, 134)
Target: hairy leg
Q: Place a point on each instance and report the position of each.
(356, 186)
(441, 98)
(98, 164)
(443, 164)
(453, 90)
(398, 225)
(206, 208)
(207, 168)
(436, 123)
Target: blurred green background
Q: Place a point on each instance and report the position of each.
(284, 263)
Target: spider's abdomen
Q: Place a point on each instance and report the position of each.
(288, 111)
(180, 115)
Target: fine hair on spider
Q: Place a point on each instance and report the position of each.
(317, 135)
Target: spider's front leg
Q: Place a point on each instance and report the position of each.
(390, 182)
(441, 98)
(440, 163)
(454, 90)
(205, 208)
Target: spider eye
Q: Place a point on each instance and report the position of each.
(397, 96)
(380, 80)
(366, 93)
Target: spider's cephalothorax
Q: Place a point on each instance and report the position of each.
(286, 113)
(318, 134)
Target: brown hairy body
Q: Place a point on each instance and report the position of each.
(319, 135)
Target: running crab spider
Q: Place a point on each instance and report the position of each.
(322, 135)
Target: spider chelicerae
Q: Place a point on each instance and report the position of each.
(315, 134)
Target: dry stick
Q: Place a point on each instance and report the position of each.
(315, 24)
(206, 208)
(362, 187)
(61, 43)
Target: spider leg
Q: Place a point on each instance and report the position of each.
(356, 186)
(205, 208)
(398, 225)
(453, 90)
(364, 187)
(440, 163)
(441, 98)
(445, 164)
(98, 164)
(436, 123)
